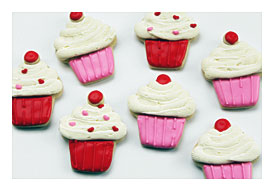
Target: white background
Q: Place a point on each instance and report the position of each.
(43, 153)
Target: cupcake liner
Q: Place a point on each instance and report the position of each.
(31, 111)
(166, 54)
(160, 132)
(93, 66)
(228, 171)
(238, 92)
(91, 156)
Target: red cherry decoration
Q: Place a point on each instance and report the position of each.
(91, 129)
(31, 56)
(76, 15)
(41, 81)
(222, 124)
(163, 79)
(24, 71)
(115, 128)
(231, 37)
(157, 13)
(100, 106)
(176, 17)
(193, 25)
(95, 97)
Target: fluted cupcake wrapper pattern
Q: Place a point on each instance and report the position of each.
(228, 171)
(94, 66)
(238, 92)
(91, 156)
(31, 111)
(166, 54)
(160, 132)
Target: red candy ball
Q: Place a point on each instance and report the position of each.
(91, 129)
(31, 56)
(222, 124)
(115, 128)
(231, 37)
(176, 17)
(95, 97)
(100, 106)
(163, 79)
(157, 13)
(24, 71)
(76, 15)
(41, 81)
(193, 25)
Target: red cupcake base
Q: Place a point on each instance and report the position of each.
(91, 156)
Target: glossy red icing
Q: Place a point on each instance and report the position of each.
(41, 81)
(91, 129)
(193, 25)
(91, 156)
(166, 54)
(231, 37)
(222, 124)
(29, 111)
(95, 97)
(31, 56)
(76, 15)
(157, 13)
(115, 128)
(176, 17)
(24, 71)
(100, 106)
(163, 79)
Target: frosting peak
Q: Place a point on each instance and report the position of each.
(167, 26)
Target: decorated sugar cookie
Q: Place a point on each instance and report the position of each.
(35, 86)
(161, 108)
(167, 37)
(95, 128)
(226, 152)
(86, 44)
(234, 69)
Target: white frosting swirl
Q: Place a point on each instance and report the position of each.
(164, 25)
(229, 146)
(83, 37)
(162, 100)
(29, 81)
(94, 118)
(229, 61)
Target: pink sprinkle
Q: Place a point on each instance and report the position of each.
(84, 112)
(176, 32)
(149, 28)
(17, 86)
(106, 117)
(72, 123)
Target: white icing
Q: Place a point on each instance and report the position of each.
(29, 81)
(83, 37)
(229, 146)
(164, 25)
(102, 128)
(162, 100)
(229, 61)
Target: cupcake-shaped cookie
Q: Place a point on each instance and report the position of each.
(87, 44)
(93, 131)
(234, 69)
(161, 108)
(35, 86)
(226, 152)
(167, 37)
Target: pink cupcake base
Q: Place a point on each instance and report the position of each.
(160, 132)
(228, 171)
(94, 66)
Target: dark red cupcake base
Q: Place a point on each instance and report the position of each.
(166, 54)
(31, 111)
(91, 156)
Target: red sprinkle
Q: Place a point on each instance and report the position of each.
(231, 37)
(157, 13)
(163, 79)
(31, 56)
(91, 129)
(41, 81)
(24, 71)
(100, 106)
(95, 97)
(176, 17)
(76, 15)
(193, 25)
(115, 128)
(222, 124)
